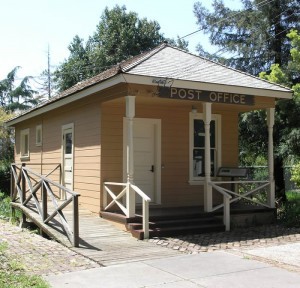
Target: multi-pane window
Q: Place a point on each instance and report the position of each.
(38, 135)
(24, 143)
(197, 146)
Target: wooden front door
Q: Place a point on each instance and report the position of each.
(146, 154)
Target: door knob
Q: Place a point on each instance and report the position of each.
(152, 168)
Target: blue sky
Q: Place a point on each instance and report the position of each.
(27, 27)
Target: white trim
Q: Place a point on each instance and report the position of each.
(68, 99)
(147, 80)
(24, 155)
(38, 135)
(63, 128)
(218, 120)
(157, 123)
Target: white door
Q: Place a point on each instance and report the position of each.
(146, 155)
(68, 147)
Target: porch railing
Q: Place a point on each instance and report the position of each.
(117, 198)
(247, 190)
(29, 186)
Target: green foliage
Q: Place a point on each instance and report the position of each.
(5, 209)
(6, 140)
(289, 212)
(255, 35)
(118, 36)
(295, 174)
(16, 98)
(5, 177)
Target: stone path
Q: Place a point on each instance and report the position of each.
(45, 257)
(40, 256)
(239, 239)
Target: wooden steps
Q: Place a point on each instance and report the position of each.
(168, 225)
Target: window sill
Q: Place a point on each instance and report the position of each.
(196, 182)
(25, 158)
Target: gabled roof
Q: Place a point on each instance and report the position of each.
(165, 62)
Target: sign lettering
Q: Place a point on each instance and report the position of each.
(205, 96)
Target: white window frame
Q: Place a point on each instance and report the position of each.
(25, 141)
(38, 135)
(199, 180)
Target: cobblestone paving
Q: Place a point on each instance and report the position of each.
(45, 257)
(238, 239)
(40, 256)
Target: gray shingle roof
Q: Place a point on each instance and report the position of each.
(166, 61)
(170, 62)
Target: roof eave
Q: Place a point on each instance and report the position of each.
(148, 80)
(117, 79)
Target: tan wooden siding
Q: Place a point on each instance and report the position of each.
(98, 154)
(86, 118)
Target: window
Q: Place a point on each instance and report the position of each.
(38, 135)
(24, 144)
(197, 145)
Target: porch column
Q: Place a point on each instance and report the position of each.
(271, 191)
(207, 163)
(130, 195)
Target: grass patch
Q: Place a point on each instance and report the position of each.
(12, 273)
(289, 212)
(5, 209)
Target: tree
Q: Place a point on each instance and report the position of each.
(287, 119)
(20, 97)
(288, 111)
(118, 36)
(254, 36)
(6, 151)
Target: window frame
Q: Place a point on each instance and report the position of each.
(39, 135)
(25, 134)
(199, 180)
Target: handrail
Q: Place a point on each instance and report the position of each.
(226, 205)
(146, 201)
(228, 196)
(140, 192)
(52, 182)
(22, 177)
(117, 199)
(244, 195)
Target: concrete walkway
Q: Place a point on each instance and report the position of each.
(212, 269)
(265, 256)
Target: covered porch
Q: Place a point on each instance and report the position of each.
(224, 196)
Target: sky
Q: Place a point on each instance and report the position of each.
(27, 28)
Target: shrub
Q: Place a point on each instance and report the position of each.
(289, 212)
(5, 210)
(5, 177)
(295, 174)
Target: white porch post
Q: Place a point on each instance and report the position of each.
(130, 195)
(207, 164)
(270, 122)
